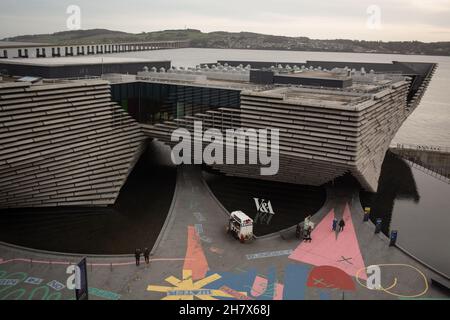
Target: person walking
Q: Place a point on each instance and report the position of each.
(298, 231)
(335, 222)
(147, 255)
(307, 221)
(341, 225)
(137, 255)
(308, 234)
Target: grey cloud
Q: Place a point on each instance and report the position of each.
(18, 17)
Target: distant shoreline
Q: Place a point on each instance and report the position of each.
(319, 51)
(240, 40)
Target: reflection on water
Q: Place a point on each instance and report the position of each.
(134, 221)
(415, 203)
(290, 203)
(396, 182)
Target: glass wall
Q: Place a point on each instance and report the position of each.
(156, 102)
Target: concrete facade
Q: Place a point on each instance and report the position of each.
(64, 144)
(69, 144)
(76, 67)
(420, 72)
(324, 132)
(319, 141)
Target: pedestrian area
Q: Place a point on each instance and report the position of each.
(194, 258)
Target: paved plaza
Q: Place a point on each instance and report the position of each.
(194, 258)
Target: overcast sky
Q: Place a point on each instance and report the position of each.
(424, 20)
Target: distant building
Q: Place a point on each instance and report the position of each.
(77, 67)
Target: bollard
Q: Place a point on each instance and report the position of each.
(378, 225)
(393, 238)
(110, 265)
(366, 217)
(366, 214)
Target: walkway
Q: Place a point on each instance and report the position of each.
(194, 257)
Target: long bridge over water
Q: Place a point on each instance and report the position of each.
(43, 50)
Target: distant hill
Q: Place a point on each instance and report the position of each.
(240, 40)
(78, 36)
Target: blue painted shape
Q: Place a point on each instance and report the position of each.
(295, 278)
(199, 228)
(104, 294)
(324, 295)
(33, 280)
(54, 284)
(8, 282)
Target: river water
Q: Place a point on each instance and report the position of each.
(427, 236)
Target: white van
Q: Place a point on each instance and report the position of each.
(240, 226)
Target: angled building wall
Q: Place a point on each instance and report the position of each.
(64, 144)
(323, 133)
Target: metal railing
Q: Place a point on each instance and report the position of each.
(59, 80)
(420, 147)
(428, 171)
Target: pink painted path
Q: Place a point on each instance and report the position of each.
(195, 257)
(326, 249)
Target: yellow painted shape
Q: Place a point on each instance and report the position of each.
(395, 281)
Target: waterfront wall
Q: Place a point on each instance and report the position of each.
(436, 159)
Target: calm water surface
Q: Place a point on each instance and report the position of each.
(416, 203)
(424, 225)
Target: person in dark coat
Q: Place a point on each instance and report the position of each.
(341, 225)
(334, 226)
(298, 231)
(137, 255)
(147, 255)
(307, 236)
